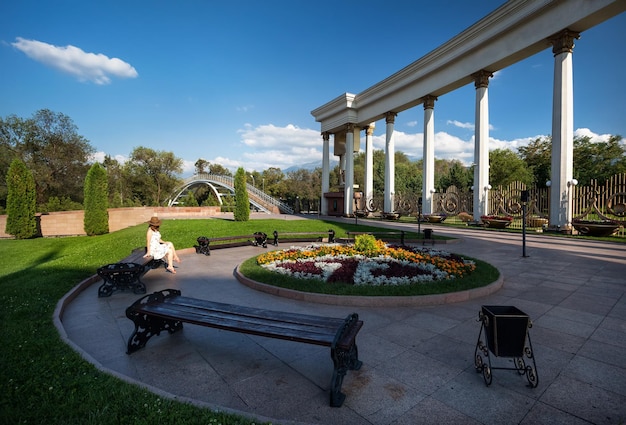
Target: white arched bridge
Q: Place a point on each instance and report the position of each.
(224, 186)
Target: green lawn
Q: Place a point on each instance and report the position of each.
(42, 380)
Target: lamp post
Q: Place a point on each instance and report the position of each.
(253, 182)
(419, 216)
(570, 208)
(524, 199)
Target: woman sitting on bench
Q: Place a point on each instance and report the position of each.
(158, 248)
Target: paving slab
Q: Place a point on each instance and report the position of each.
(417, 361)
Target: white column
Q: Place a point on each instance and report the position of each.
(325, 172)
(562, 131)
(349, 174)
(368, 190)
(481, 145)
(428, 183)
(390, 166)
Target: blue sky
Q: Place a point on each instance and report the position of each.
(234, 82)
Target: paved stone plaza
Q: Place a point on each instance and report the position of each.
(418, 362)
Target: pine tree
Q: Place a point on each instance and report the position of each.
(96, 221)
(21, 201)
(242, 203)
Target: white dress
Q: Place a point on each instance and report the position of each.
(157, 249)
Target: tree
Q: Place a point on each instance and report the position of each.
(96, 220)
(21, 221)
(537, 155)
(505, 167)
(152, 174)
(189, 200)
(458, 175)
(49, 146)
(201, 165)
(242, 203)
(598, 161)
(219, 170)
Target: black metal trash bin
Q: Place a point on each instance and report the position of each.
(506, 327)
(428, 233)
(506, 333)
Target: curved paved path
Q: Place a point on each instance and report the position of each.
(418, 362)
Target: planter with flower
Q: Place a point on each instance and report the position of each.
(367, 262)
(497, 221)
(435, 218)
(598, 228)
(536, 221)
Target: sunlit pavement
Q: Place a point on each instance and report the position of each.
(418, 362)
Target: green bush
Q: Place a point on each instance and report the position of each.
(62, 204)
(242, 203)
(21, 201)
(96, 221)
(365, 243)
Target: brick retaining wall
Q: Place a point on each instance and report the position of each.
(70, 223)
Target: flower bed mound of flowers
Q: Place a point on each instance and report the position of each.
(374, 264)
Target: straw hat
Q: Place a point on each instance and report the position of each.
(154, 221)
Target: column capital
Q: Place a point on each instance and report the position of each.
(369, 130)
(481, 78)
(326, 135)
(429, 101)
(563, 42)
(350, 126)
(390, 117)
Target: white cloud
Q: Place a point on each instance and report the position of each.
(72, 60)
(465, 125)
(268, 146)
(595, 138)
(244, 108)
(99, 157)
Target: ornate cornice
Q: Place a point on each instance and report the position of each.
(563, 42)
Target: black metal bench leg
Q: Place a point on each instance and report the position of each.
(146, 327)
(343, 361)
(106, 289)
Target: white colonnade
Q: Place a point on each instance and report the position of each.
(515, 31)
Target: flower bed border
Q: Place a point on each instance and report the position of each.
(373, 301)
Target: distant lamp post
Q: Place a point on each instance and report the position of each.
(253, 182)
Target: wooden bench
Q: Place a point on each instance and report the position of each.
(166, 310)
(400, 233)
(204, 243)
(303, 236)
(126, 274)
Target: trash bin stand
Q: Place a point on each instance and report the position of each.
(505, 332)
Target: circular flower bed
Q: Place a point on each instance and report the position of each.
(377, 265)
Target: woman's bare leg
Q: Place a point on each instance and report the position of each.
(173, 250)
(170, 264)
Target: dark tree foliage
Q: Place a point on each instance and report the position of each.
(537, 156)
(598, 161)
(242, 202)
(458, 175)
(592, 160)
(96, 221)
(505, 167)
(49, 146)
(21, 221)
(152, 175)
